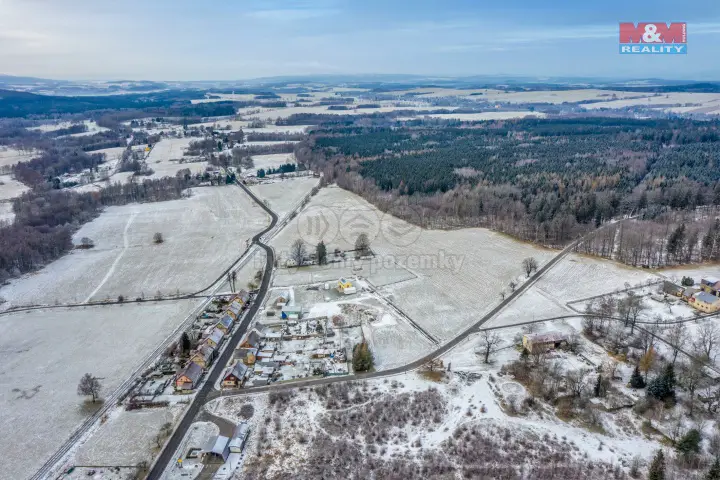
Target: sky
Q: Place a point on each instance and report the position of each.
(240, 39)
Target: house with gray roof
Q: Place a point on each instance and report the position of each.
(189, 377)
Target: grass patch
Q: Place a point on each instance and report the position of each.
(434, 376)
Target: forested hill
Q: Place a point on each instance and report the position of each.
(20, 104)
(541, 180)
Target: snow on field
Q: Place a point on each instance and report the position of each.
(11, 188)
(539, 96)
(278, 129)
(45, 352)
(284, 195)
(267, 143)
(223, 124)
(127, 438)
(203, 234)
(272, 160)
(468, 117)
(51, 127)
(6, 212)
(167, 158)
(665, 101)
(459, 273)
(10, 156)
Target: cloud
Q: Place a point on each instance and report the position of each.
(290, 14)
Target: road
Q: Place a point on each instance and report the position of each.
(201, 397)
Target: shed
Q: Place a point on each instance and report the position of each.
(291, 311)
(542, 342)
(217, 448)
(240, 435)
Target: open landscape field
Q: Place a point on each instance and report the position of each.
(202, 235)
(283, 195)
(10, 156)
(678, 102)
(11, 188)
(44, 353)
(458, 275)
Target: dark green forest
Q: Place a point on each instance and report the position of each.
(545, 180)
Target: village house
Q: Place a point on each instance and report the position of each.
(251, 340)
(672, 289)
(705, 302)
(189, 377)
(203, 355)
(291, 312)
(543, 342)
(234, 377)
(711, 286)
(243, 297)
(247, 355)
(225, 324)
(234, 309)
(689, 292)
(215, 338)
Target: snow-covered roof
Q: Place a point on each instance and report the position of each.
(217, 445)
(547, 337)
(706, 297)
(216, 335)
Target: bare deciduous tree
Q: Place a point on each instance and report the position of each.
(691, 377)
(677, 338)
(89, 385)
(575, 382)
(529, 265)
(707, 339)
(491, 342)
(297, 252)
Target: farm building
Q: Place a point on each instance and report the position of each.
(188, 377)
(705, 302)
(672, 289)
(345, 286)
(711, 286)
(543, 342)
(234, 376)
(203, 356)
(217, 449)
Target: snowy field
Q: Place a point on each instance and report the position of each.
(286, 112)
(6, 212)
(574, 278)
(44, 353)
(10, 156)
(167, 158)
(539, 96)
(459, 274)
(11, 188)
(125, 439)
(278, 129)
(203, 234)
(284, 195)
(686, 102)
(272, 160)
(51, 127)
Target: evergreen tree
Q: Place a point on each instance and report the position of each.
(676, 241)
(657, 467)
(689, 443)
(185, 343)
(321, 252)
(362, 358)
(714, 472)
(662, 387)
(637, 380)
(598, 391)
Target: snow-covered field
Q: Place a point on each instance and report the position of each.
(166, 158)
(272, 160)
(11, 188)
(283, 195)
(539, 96)
(6, 212)
(10, 156)
(203, 234)
(459, 274)
(679, 102)
(286, 112)
(278, 129)
(51, 127)
(45, 352)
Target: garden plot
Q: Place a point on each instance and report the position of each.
(11, 188)
(202, 234)
(284, 195)
(273, 160)
(460, 273)
(45, 352)
(10, 156)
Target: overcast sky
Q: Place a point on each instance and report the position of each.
(228, 39)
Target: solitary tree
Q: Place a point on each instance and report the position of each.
(637, 380)
(362, 244)
(321, 252)
(689, 444)
(185, 343)
(86, 242)
(297, 251)
(677, 338)
(529, 265)
(89, 386)
(158, 237)
(491, 343)
(657, 467)
(647, 361)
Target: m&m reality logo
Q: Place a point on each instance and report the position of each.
(653, 38)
